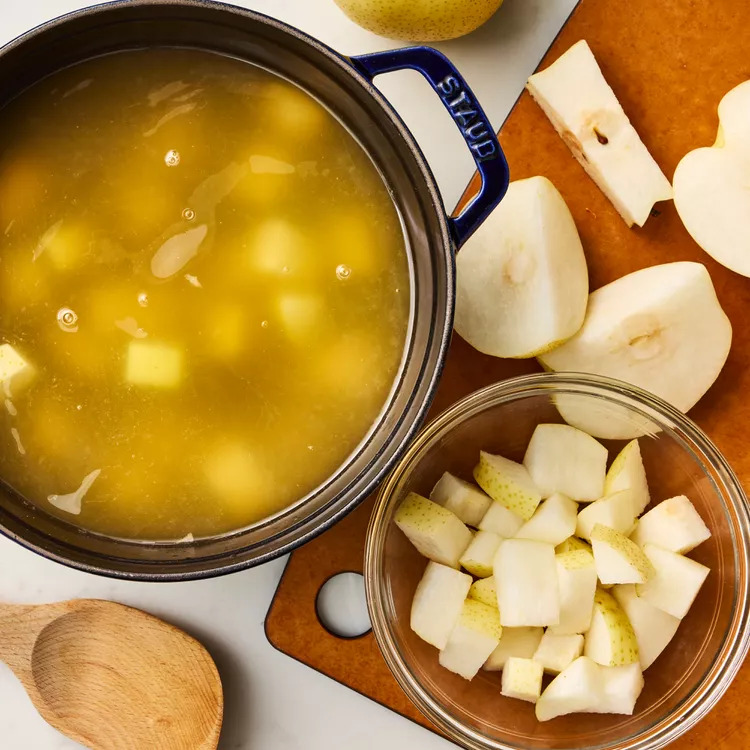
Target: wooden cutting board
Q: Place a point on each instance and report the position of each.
(669, 62)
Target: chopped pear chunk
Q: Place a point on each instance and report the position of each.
(436, 532)
(474, 637)
(614, 511)
(627, 473)
(508, 483)
(578, 688)
(673, 524)
(576, 577)
(522, 679)
(484, 591)
(518, 642)
(153, 364)
(480, 554)
(621, 687)
(584, 110)
(555, 652)
(501, 521)
(553, 522)
(618, 559)
(468, 502)
(610, 640)
(571, 544)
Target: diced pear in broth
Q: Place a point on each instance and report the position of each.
(518, 642)
(653, 627)
(522, 283)
(553, 522)
(522, 679)
(572, 544)
(501, 521)
(483, 590)
(480, 554)
(560, 458)
(673, 524)
(576, 577)
(618, 559)
(474, 637)
(150, 363)
(300, 315)
(438, 602)
(621, 687)
(614, 511)
(677, 581)
(610, 641)
(710, 186)
(627, 473)
(526, 580)
(508, 483)
(15, 371)
(578, 688)
(661, 328)
(468, 502)
(584, 110)
(436, 532)
(555, 652)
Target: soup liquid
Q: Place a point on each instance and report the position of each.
(208, 280)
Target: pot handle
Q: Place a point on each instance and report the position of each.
(469, 117)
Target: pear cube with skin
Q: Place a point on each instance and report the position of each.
(576, 576)
(677, 581)
(501, 521)
(618, 559)
(526, 581)
(584, 110)
(480, 554)
(673, 524)
(561, 458)
(438, 602)
(653, 627)
(614, 511)
(508, 483)
(628, 473)
(578, 688)
(436, 532)
(522, 679)
(474, 637)
(555, 652)
(518, 642)
(468, 502)
(610, 641)
(572, 544)
(553, 522)
(483, 590)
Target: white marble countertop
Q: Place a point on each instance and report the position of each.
(272, 702)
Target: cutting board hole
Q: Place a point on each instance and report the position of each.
(342, 607)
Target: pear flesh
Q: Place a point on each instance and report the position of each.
(673, 524)
(522, 679)
(628, 473)
(483, 590)
(555, 652)
(480, 554)
(661, 328)
(711, 188)
(518, 642)
(474, 637)
(618, 559)
(522, 283)
(508, 483)
(576, 689)
(610, 641)
(584, 110)
(468, 502)
(576, 578)
(553, 522)
(614, 511)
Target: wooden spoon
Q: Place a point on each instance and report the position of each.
(110, 677)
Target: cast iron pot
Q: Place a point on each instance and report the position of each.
(345, 86)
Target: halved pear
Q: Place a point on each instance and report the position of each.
(553, 522)
(614, 511)
(508, 483)
(673, 524)
(711, 188)
(610, 640)
(480, 554)
(436, 532)
(661, 328)
(526, 580)
(484, 590)
(576, 577)
(627, 473)
(522, 679)
(578, 688)
(519, 642)
(438, 602)
(561, 458)
(586, 113)
(677, 581)
(653, 627)
(522, 283)
(464, 499)
(474, 637)
(618, 559)
(555, 652)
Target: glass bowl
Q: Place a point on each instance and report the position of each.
(693, 672)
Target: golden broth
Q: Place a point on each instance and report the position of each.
(207, 278)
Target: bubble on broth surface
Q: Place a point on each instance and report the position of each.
(172, 158)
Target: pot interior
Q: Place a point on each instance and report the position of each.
(248, 36)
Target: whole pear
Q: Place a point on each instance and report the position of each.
(419, 20)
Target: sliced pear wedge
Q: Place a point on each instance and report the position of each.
(522, 282)
(661, 328)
